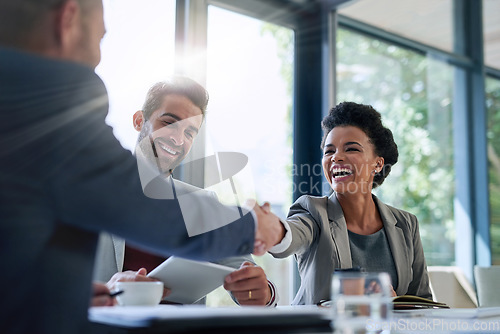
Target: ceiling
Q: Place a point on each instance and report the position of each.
(427, 21)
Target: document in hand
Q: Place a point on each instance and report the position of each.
(189, 280)
(408, 302)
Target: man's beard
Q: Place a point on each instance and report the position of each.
(165, 165)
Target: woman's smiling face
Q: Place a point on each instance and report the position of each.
(349, 160)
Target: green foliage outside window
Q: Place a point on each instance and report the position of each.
(493, 134)
(413, 94)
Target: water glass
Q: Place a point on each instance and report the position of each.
(361, 302)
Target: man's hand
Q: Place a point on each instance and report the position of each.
(133, 276)
(269, 232)
(101, 295)
(248, 285)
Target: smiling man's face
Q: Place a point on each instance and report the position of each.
(170, 130)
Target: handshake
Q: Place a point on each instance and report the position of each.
(269, 232)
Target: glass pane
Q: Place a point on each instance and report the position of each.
(493, 107)
(249, 80)
(137, 51)
(426, 21)
(413, 94)
(491, 23)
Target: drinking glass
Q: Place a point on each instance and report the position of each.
(361, 302)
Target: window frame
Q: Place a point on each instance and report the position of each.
(315, 25)
(469, 113)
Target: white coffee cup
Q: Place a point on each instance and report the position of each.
(139, 293)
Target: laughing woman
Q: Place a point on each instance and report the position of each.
(352, 227)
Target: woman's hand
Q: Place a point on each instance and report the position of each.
(393, 293)
(375, 287)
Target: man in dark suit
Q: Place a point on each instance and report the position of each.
(64, 177)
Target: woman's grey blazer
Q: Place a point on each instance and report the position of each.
(320, 244)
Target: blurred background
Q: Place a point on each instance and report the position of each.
(273, 69)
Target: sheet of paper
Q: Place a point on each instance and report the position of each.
(189, 280)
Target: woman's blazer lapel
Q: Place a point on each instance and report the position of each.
(338, 229)
(395, 236)
(399, 249)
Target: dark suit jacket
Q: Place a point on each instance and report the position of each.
(320, 244)
(63, 178)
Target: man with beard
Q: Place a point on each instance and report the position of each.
(168, 124)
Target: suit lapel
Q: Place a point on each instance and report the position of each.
(397, 244)
(119, 246)
(338, 230)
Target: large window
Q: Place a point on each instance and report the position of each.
(413, 94)
(249, 80)
(426, 21)
(493, 106)
(137, 51)
(249, 76)
(491, 30)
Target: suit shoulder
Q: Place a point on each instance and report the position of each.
(181, 185)
(401, 212)
(310, 203)
(311, 199)
(403, 217)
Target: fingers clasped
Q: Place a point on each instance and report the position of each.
(270, 231)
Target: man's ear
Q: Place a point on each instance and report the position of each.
(68, 25)
(138, 120)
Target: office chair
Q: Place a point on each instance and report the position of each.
(487, 285)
